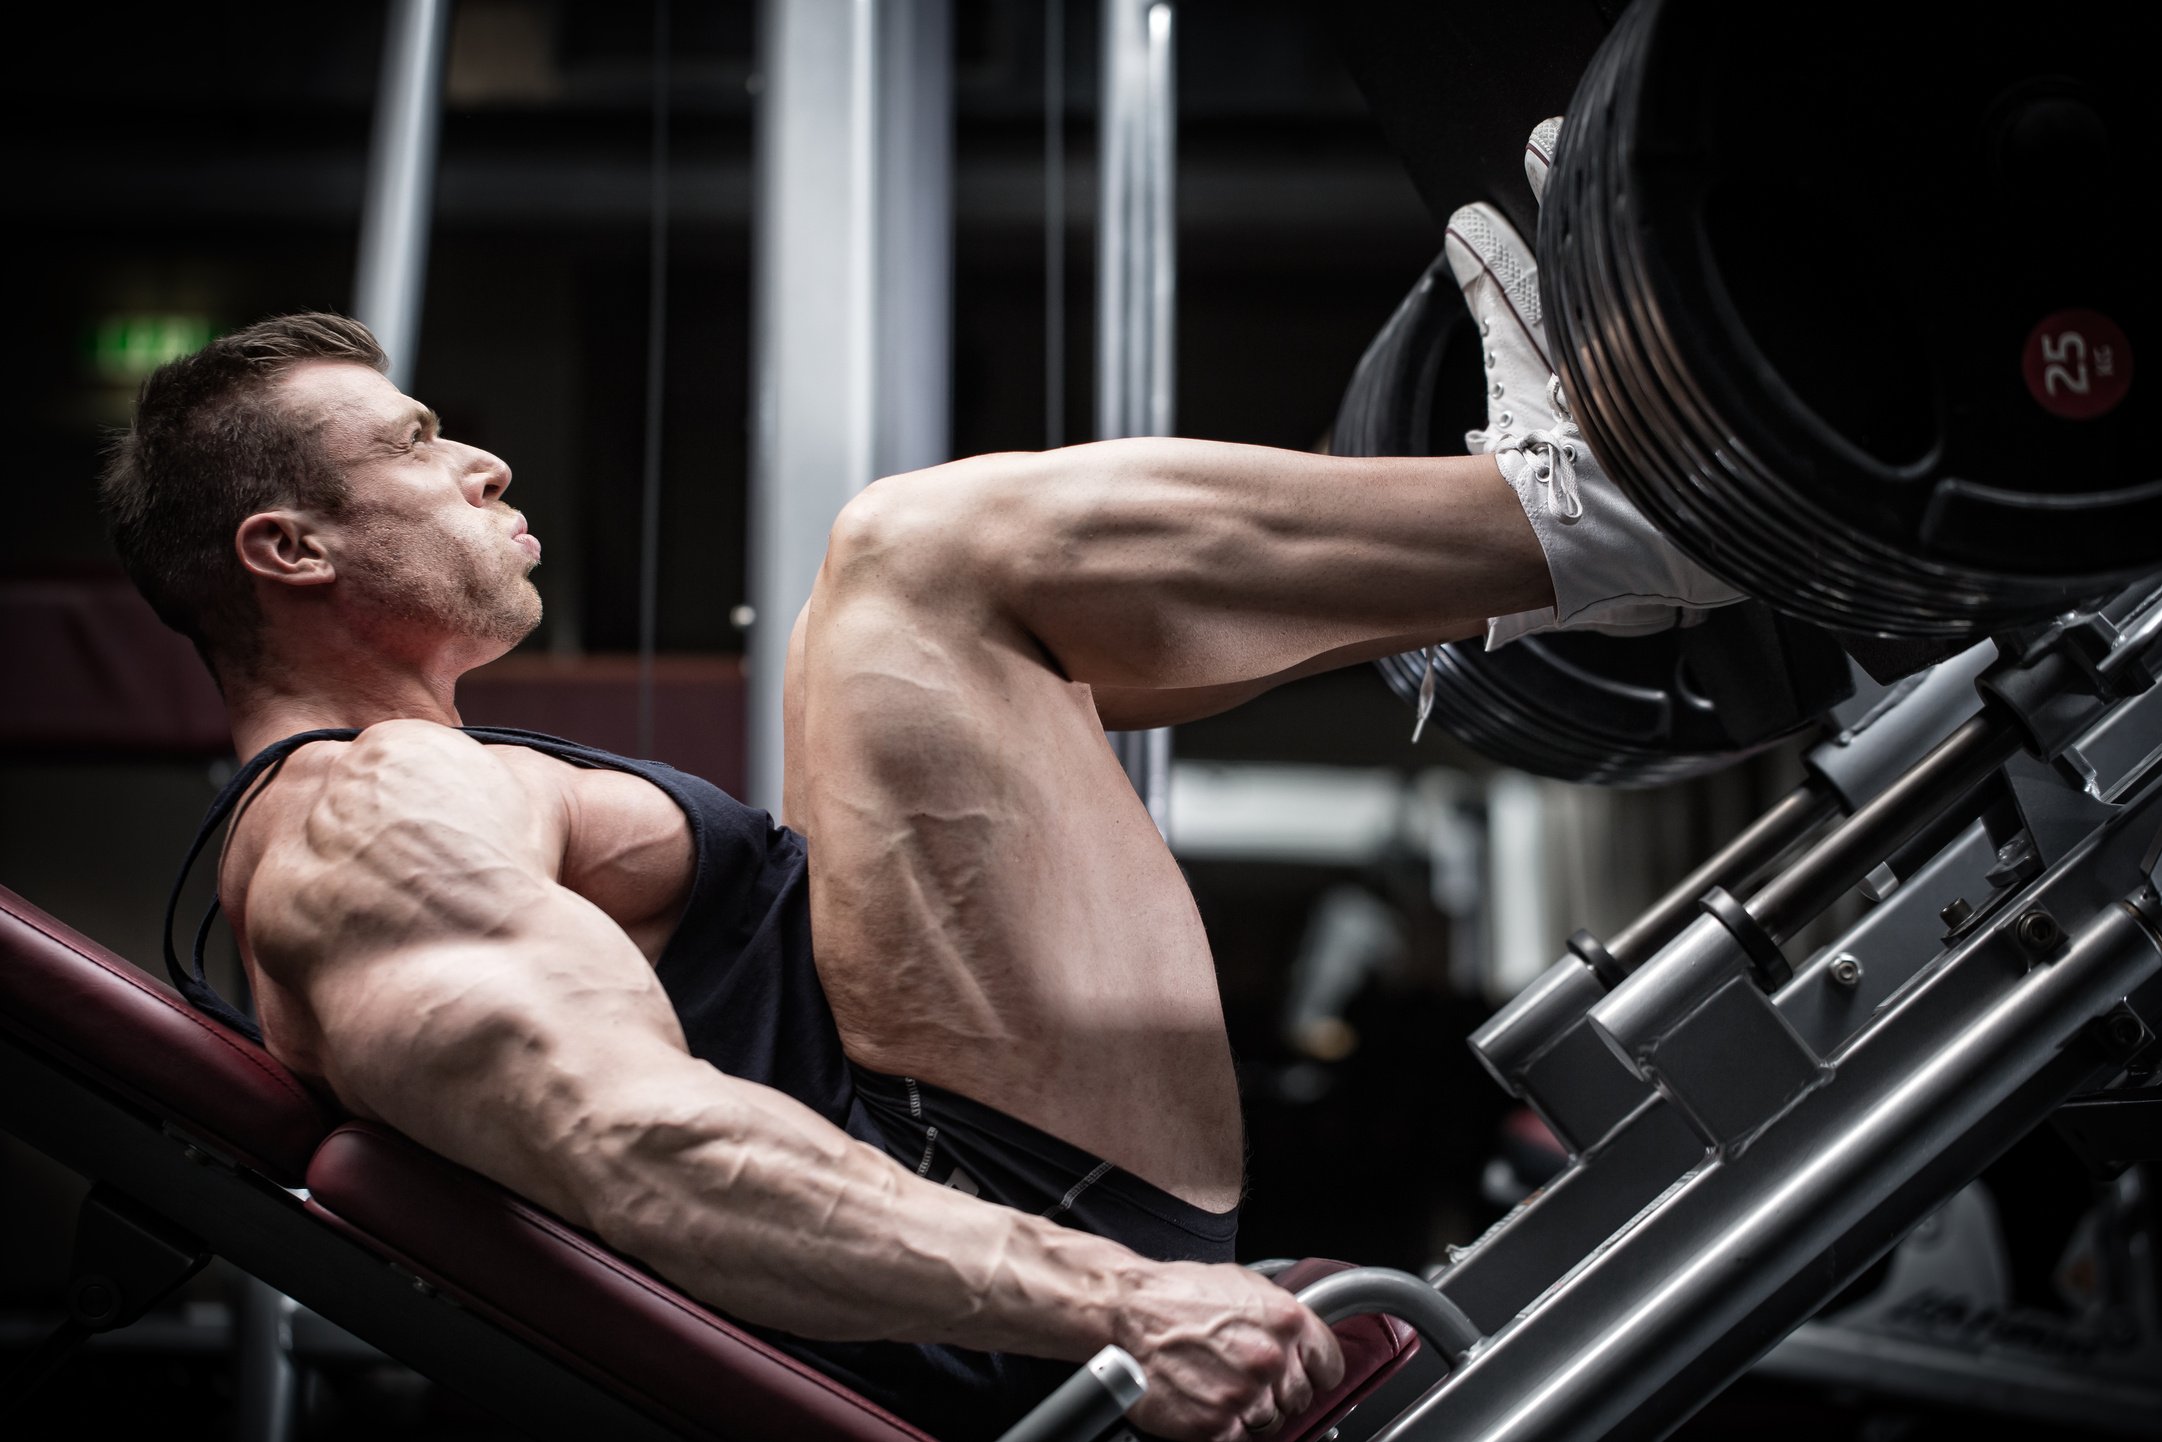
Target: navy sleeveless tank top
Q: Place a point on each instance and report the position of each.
(738, 968)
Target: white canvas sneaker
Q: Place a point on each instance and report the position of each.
(1499, 275)
(1611, 570)
(1539, 156)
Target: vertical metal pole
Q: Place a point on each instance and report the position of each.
(1137, 278)
(1054, 224)
(1163, 227)
(400, 197)
(1519, 890)
(911, 205)
(852, 282)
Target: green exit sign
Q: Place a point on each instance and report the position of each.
(125, 348)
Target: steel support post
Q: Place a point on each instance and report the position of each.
(1788, 821)
(1137, 277)
(266, 1384)
(400, 198)
(852, 281)
(1794, 898)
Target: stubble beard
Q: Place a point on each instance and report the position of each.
(435, 584)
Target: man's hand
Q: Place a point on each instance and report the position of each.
(1228, 1353)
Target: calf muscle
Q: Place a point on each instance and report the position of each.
(1163, 564)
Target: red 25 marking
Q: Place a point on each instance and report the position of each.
(2064, 358)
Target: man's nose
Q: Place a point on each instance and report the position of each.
(490, 472)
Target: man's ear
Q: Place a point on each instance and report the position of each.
(282, 546)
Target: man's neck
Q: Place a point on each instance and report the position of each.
(280, 701)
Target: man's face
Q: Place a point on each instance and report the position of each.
(427, 551)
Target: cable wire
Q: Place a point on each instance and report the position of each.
(649, 537)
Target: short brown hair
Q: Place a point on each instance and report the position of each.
(210, 447)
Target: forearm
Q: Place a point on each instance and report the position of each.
(753, 1202)
(749, 1200)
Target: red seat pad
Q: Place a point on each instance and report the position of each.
(609, 1318)
(557, 1286)
(66, 995)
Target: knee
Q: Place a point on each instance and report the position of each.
(964, 525)
(889, 534)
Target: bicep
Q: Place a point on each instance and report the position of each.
(508, 1054)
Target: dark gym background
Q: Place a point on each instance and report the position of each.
(173, 171)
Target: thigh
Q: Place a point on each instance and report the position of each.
(994, 911)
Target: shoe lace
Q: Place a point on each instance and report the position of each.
(1426, 696)
(1553, 449)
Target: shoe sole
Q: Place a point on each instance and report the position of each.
(1480, 242)
(1539, 156)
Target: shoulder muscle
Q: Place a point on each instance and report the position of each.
(452, 980)
(410, 833)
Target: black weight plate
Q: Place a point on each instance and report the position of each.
(1624, 711)
(1847, 298)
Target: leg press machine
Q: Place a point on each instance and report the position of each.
(1749, 1129)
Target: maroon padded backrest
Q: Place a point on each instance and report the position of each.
(606, 1316)
(68, 996)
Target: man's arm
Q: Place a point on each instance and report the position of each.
(467, 999)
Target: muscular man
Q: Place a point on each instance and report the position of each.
(990, 1125)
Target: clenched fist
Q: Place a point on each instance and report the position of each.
(1228, 1353)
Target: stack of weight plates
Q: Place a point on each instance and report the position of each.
(1846, 298)
(1623, 711)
